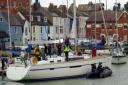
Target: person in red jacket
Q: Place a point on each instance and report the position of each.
(94, 52)
(59, 48)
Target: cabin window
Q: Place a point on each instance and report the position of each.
(1, 19)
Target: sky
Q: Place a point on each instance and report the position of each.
(110, 3)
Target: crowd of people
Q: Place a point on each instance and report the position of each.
(36, 53)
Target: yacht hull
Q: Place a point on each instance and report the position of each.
(54, 70)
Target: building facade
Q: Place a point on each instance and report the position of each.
(16, 27)
(108, 27)
(15, 4)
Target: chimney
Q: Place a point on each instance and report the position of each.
(36, 1)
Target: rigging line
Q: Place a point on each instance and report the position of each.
(104, 20)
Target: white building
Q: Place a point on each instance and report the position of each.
(82, 18)
(26, 29)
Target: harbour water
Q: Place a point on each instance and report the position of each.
(119, 77)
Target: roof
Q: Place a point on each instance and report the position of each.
(40, 23)
(90, 6)
(110, 16)
(45, 10)
(14, 18)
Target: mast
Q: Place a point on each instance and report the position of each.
(75, 28)
(67, 9)
(104, 21)
(106, 4)
(30, 19)
(10, 43)
(116, 25)
(65, 30)
(95, 23)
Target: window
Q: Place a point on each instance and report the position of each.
(20, 4)
(26, 31)
(125, 26)
(15, 30)
(33, 29)
(48, 30)
(93, 26)
(38, 18)
(56, 30)
(102, 26)
(109, 26)
(61, 30)
(45, 19)
(1, 19)
(34, 39)
(41, 30)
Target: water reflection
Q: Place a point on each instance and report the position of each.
(14, 83)
(119, 77)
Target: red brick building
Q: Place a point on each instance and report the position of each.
(15, 4)
(109, 29)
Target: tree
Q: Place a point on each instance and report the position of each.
(126, 6)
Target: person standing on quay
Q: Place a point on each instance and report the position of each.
(45, 49)
(94, 51)
(49, 50)
(66, 51)
(38, 52)
(59, 47)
